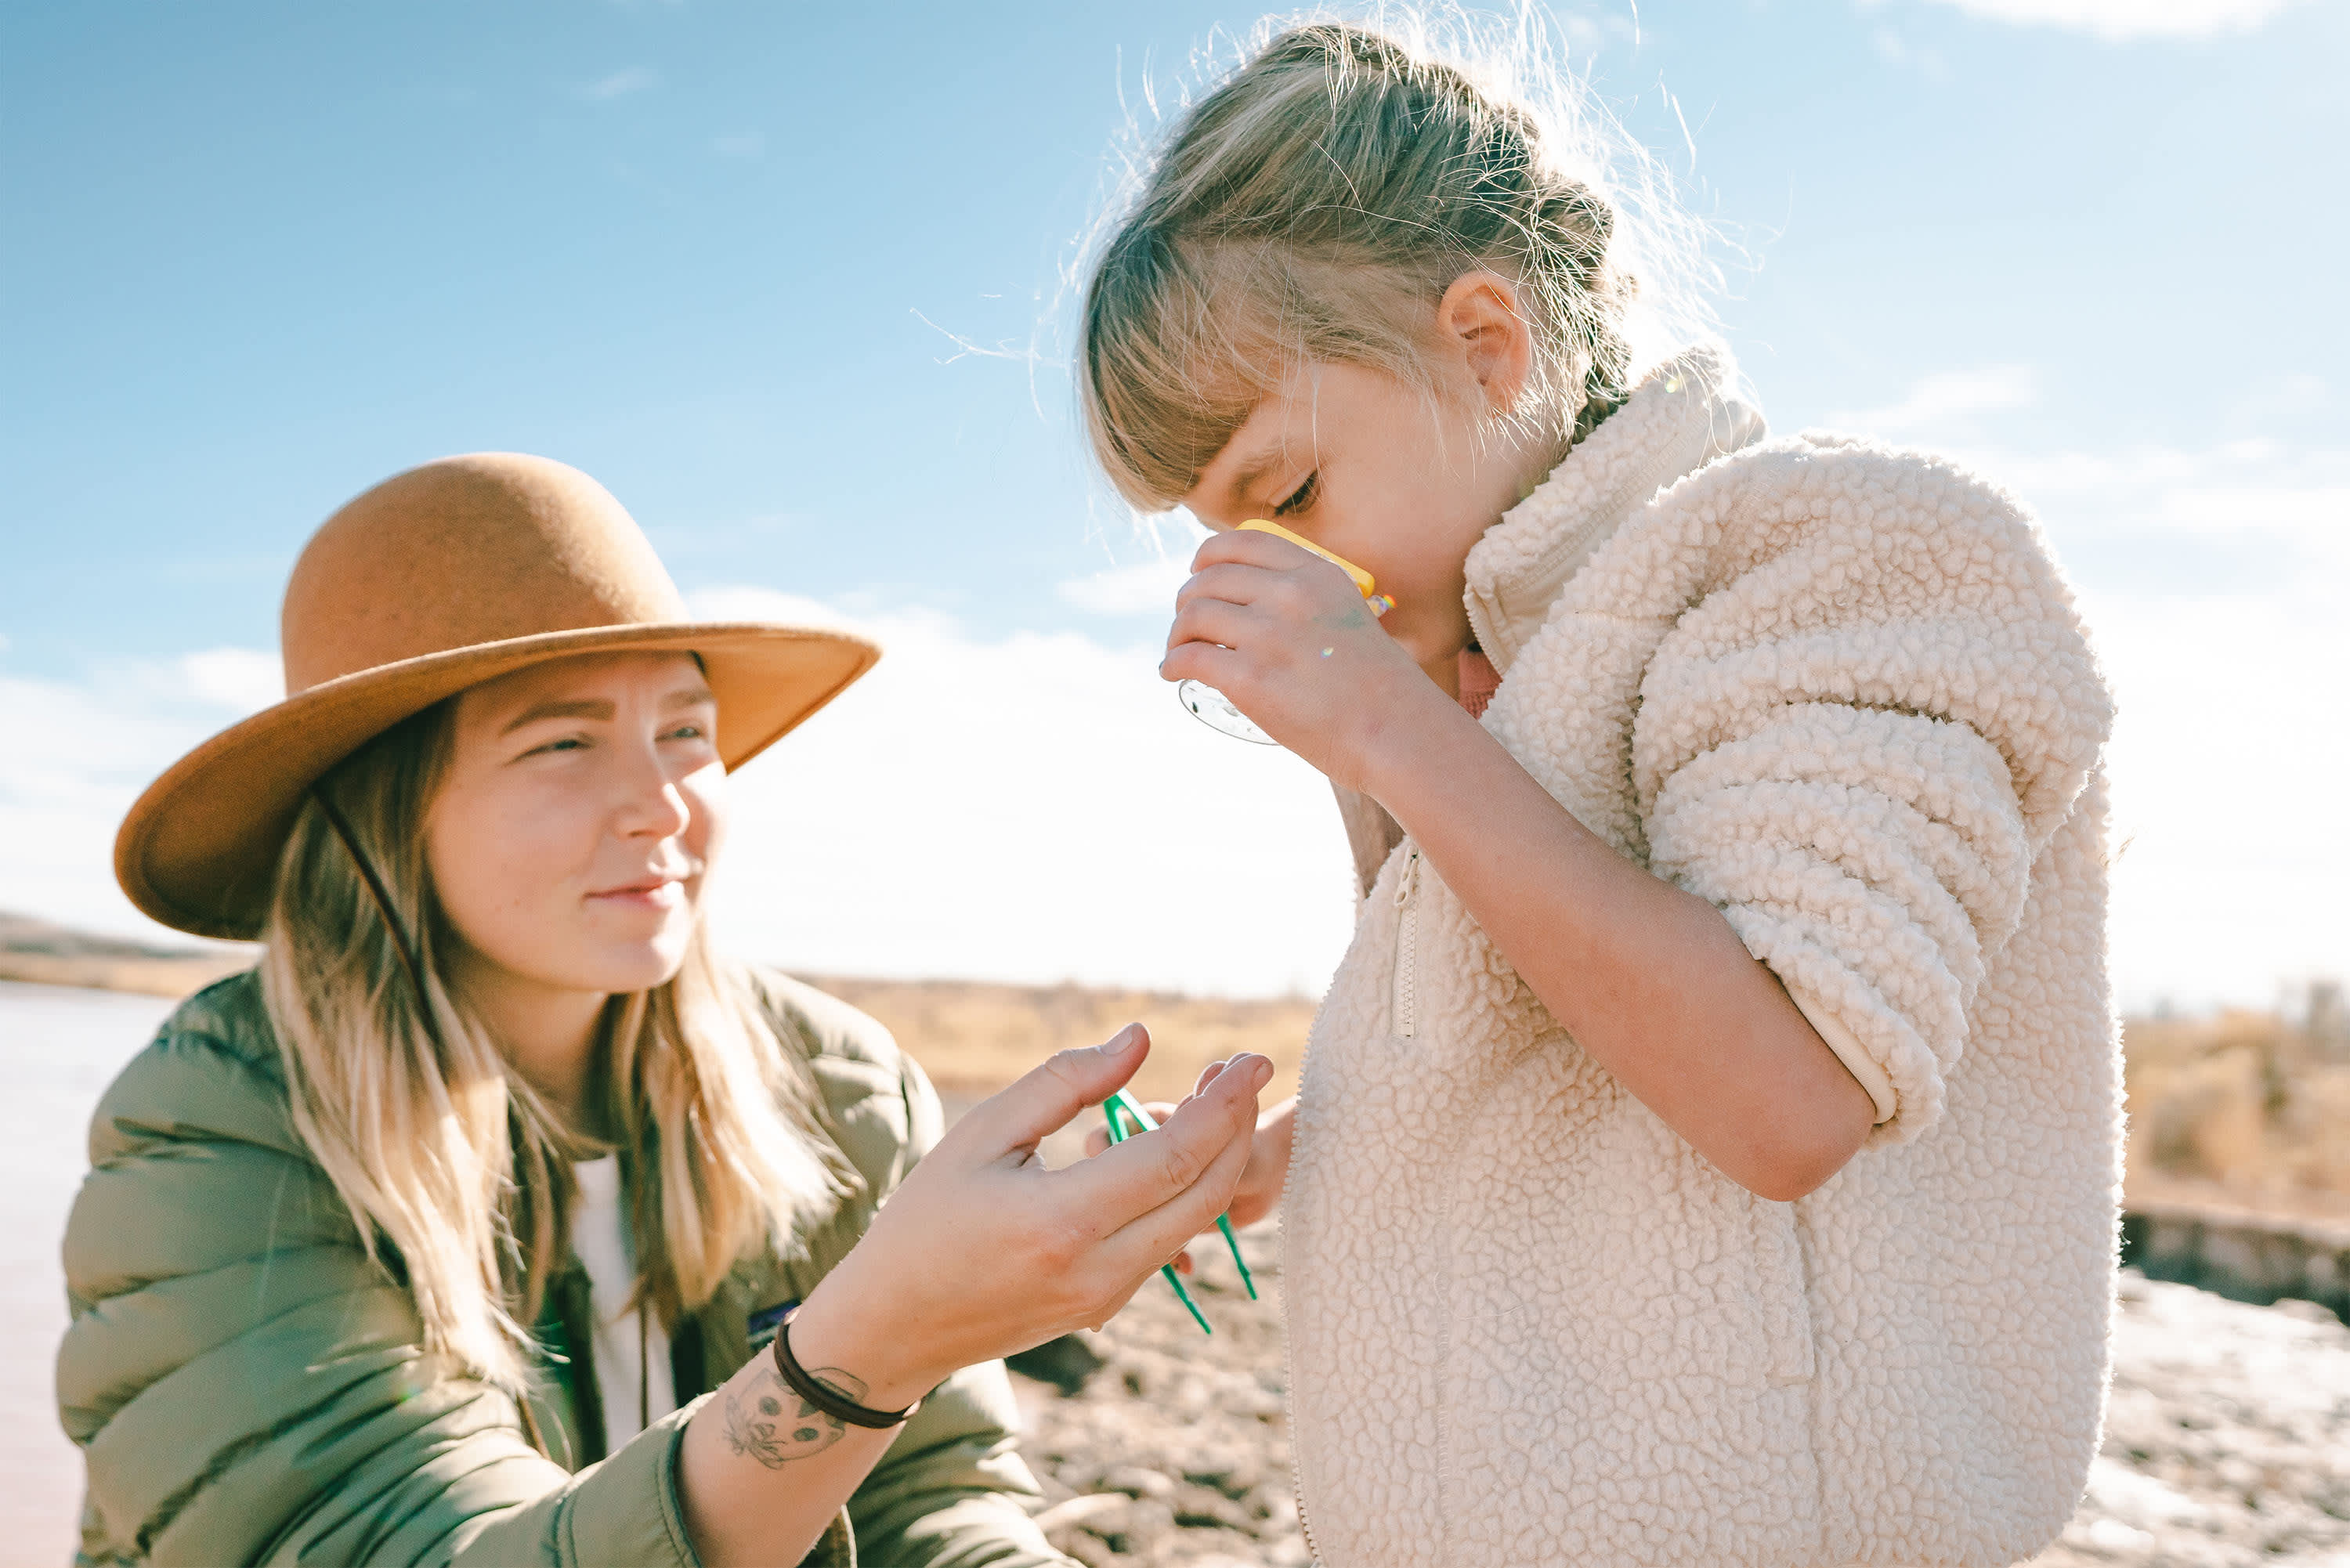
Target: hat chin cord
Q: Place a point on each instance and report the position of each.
(408, 959)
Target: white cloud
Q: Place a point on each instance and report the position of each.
(1033, 808)
(2210, 580)
(2284, 509)
(2120, 19)
(1143, 589)
(99, 741)
(239, 679)
(1944, 402)
(621, 84)
(2228, 760)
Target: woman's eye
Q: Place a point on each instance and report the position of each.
(1300, 498)
(568, 743)
(689, 733)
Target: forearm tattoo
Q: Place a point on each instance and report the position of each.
(767, 1422)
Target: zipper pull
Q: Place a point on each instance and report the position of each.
(1409, 880)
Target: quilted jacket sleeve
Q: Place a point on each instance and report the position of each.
(1878, 708)
(246, 1387)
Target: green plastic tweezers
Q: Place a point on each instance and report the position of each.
(1119, 1100)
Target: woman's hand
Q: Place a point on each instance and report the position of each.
(981, 1251)
(984, 1252)
(1267, 1171)
(1285, 636)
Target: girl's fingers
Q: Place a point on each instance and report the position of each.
(1231, 583)
(1273, 561)
(1216, 621)
(1247, 547)
(1207, 1076)
(1203, 661)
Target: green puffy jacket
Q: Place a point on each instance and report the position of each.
(248, 1388)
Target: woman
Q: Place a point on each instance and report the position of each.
(426, 1241)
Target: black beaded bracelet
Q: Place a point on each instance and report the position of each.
(833, 1403)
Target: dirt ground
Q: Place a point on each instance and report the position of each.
(2228, 1443)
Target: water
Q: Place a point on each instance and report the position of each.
(58, 1050)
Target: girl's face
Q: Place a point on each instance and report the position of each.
(1364, 466)
(581, 809)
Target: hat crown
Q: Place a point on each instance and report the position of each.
(465, 551)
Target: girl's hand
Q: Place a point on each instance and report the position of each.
(984, 1252)
(1267, 1171)
(1285, 636)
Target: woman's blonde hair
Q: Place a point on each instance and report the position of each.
(457, 1173)
(1316, 204)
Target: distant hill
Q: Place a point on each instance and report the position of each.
(45, 953)
(972, 1036)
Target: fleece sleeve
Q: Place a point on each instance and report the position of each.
(246, 1387)
(1856, 741)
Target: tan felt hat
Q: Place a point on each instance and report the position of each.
(435, 580)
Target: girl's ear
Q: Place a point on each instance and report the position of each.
(1478, 320)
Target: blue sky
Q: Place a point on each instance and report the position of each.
(722, 257)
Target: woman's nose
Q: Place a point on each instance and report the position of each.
(652, 806)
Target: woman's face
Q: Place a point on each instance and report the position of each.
(581, 809)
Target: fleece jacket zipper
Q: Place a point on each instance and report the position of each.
(1407, 965)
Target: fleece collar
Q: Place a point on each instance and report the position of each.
(1682, 415)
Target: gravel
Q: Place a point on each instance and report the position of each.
(2227, 1442)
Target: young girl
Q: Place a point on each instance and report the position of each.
(1707, 1150)
(428, 1242)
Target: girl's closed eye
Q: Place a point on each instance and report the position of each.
(1301, 497)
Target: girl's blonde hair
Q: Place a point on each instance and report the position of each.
(1316, 205)
(457, 1173)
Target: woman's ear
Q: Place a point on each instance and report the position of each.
(1479, 321)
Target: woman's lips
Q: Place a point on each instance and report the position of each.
(666, 894)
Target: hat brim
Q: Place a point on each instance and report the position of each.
(199, 850)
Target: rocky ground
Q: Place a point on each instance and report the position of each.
(1158, 1444)
(2229, 1440)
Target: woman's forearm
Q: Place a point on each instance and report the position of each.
(761, 1473)
(1650, 980)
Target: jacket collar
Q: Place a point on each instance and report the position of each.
(1682, 415)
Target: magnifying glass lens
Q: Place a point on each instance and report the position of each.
(1215, 710)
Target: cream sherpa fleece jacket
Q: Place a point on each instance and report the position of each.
(1842, 693)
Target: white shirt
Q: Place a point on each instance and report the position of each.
(631, 1348)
